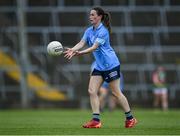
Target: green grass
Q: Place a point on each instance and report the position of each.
(69, 122)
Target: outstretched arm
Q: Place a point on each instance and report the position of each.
(88, 50)
(79, 45)
(74, 51)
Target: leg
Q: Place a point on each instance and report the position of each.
(130, 121)
(102, 95)
(114, 85)
(112, 102)
(164, 101)
(156, 100)
(94, 85)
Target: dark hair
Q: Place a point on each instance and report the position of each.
(106, 18)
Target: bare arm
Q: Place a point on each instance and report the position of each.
(74, 51)
(79, 45)
(89, 50)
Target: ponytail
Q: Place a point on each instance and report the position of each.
(106, 18)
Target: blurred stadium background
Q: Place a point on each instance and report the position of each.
(145, 33)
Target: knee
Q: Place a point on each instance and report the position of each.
(91, 91)
(117, 94)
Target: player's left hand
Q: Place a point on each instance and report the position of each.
(69, 53)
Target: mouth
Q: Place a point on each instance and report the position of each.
(91, 21)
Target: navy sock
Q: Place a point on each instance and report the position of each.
(96, 116)
(128, 115)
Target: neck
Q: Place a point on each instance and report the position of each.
(96, 25)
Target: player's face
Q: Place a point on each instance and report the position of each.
(94, 18)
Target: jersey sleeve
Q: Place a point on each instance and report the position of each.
(85, 36)
(102, 36)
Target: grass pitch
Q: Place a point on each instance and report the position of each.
(69, 122)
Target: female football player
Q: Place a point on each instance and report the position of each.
(106, 68)
(160, 90)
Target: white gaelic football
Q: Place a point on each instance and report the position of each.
(55, 48)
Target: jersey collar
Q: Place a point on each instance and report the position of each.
(100, 25)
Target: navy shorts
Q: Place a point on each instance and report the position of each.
(108, 75)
